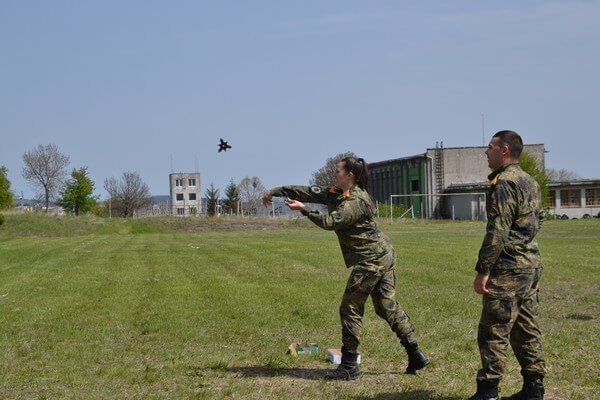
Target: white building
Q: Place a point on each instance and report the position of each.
(185, 193)
(575, 199)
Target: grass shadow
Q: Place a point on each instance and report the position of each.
(267, 372)
(580, 317)
(299, 373)
(410, 395)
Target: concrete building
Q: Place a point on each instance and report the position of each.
(443, 182)
(184, 189)
(575, 199)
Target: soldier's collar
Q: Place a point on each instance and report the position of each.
(339, 191)
(493, 177)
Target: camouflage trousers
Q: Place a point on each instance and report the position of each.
(510, 314)
(380, 284)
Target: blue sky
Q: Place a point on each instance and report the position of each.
(124, 85)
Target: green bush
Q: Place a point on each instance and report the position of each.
(397, 210)
(1, 219)
(548, 216)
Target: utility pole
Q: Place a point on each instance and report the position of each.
(482, 130)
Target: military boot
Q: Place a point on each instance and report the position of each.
(533, 389)
(348, 370)
(416, 358)
(486, 391)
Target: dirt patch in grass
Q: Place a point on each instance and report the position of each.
(42, 225)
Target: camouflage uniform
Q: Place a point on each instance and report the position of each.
(510, 256)
(365, 249)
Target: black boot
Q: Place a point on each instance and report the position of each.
(348, 370)
(486, 391)
(533, 389)
(416, 358)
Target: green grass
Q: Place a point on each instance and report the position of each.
(205, 308)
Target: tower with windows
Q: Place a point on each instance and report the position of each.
(185, 193)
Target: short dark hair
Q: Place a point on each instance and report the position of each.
(512, 140)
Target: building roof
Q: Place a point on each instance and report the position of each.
(467, 187)
(478, 147)
(575, 182)
(378, 163)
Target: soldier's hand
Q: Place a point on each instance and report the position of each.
(294, 204)
(267, 198)
(480, 282)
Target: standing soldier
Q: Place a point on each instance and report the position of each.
(508, 274)
(366, 250)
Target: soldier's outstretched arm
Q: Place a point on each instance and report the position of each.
(347, 214)
(502, 214)
(305, 194)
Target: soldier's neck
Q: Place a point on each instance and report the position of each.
(346, 187)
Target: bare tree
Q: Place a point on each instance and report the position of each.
(128, 194)
(45, 169)
(325, 176)
(561, 175)
(251, 191)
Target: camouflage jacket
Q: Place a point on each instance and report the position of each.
(514, 212)
(350, 215)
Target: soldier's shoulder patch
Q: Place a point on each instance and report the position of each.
(315, 189)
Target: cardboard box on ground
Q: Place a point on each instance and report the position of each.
(335, 356)
(312, 349)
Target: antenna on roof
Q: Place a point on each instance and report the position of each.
(482, 130)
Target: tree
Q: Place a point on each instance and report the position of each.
(530, 165)
(251, 191)
(77, 196)
(45, 170)
(128, 194)
(325, 176)
(212, 199)
(6, 196)
(232, 198)
(562, 175)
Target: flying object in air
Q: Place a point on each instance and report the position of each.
(223, 146)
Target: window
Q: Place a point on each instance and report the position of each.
(179, 182)
(551, 198)
(179, 196)
(570, 198)
(181, 211)
(592, 197)
(415, 185)
(192, 196)
(191, 182)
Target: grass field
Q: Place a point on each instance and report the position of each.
(172, 308)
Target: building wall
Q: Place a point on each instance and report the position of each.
(185, 207)
(461, 165)
(463, 206)
(586, 208)
(464, 165)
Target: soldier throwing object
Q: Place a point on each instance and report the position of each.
(366, 250)
(508, 274)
